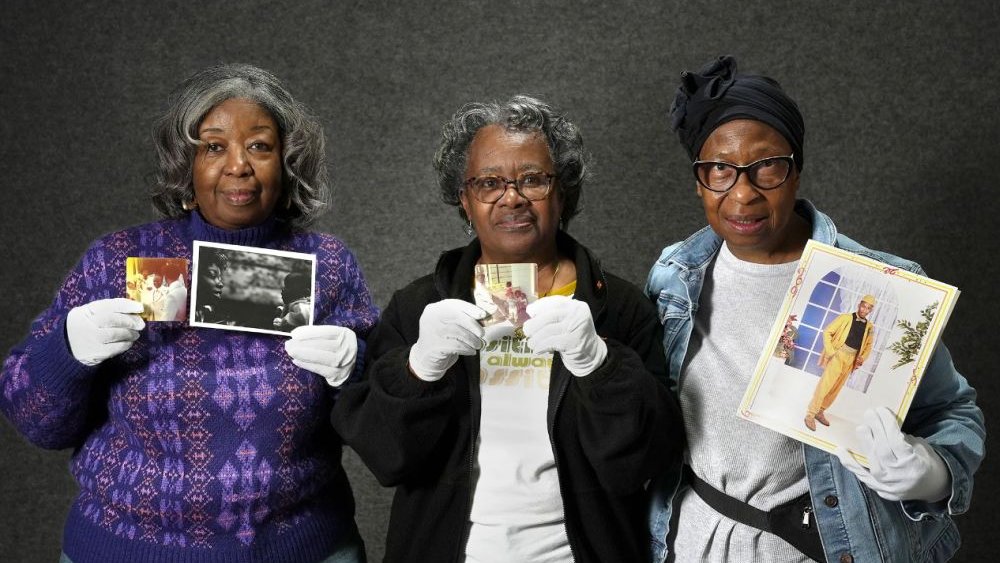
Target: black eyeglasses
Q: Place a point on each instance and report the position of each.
(532, 186)
(765, 174)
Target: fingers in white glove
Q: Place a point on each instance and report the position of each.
(903, 467)
(103, 329)
(881, 435)
(327, 350)
(448, 329)
(859, 471)
(497, 331)
(561, 324)
(550, 304)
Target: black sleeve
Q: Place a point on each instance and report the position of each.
(393, 420)
(629, 422)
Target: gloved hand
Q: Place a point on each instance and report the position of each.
(561, 324)
(448, 329)
(327, 350)
(103, 329)
(903, 467)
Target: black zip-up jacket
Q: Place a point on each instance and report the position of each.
(612, 431)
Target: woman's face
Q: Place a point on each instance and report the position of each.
(757, 225)
(513, 229)
(212, 282)
(237, 168)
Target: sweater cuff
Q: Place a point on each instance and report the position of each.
(54, 366)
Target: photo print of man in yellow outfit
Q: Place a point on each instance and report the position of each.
(847, 341)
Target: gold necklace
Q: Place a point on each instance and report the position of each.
(554, 274)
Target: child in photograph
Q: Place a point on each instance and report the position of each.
(296, 294)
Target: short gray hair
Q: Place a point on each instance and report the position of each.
(520, 113)
(305, 190)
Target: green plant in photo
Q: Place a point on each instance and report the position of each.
(909, 343)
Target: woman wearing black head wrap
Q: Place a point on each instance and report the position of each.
(750, 493)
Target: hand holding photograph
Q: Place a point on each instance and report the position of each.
(852, 334)
(251, 289)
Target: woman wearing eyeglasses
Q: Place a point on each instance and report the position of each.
(508, 446)
(751, 494)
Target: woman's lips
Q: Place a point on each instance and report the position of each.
(239, 197)
(515, 222)
(746, 224)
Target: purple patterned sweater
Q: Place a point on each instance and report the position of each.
(195, 444)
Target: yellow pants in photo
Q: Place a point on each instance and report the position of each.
(835, 375)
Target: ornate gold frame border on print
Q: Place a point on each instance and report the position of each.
(906, 328)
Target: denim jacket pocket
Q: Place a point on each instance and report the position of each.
(932, 539)
(674, 311)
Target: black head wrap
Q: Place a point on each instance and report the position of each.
(716, 94)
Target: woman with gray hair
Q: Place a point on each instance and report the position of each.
(192, 444)
(517, 444)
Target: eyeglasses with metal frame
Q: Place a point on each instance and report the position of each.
(532, 186)
(765, 174)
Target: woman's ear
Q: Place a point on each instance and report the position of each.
(463, 200)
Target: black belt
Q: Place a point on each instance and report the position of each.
(791, 521)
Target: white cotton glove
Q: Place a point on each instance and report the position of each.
(903, 467)
(103, 329)
(561, 324)
(327, 350)
(448, 329)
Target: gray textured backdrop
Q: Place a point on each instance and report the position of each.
(902, 146)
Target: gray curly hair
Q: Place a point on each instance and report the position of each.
(520, 113)
(305, 190)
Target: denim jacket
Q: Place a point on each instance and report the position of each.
(855, 523)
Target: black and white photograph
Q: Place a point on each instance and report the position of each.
(251, 289)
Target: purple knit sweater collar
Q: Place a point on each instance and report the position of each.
(257, 235)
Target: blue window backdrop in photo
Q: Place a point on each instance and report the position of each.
(833, 295)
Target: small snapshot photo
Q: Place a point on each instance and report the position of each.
(251, 289)
(160, 284)
(504, 291)
(851, 334)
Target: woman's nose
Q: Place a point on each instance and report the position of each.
(237, 162)
(511, 197)
(743, 191)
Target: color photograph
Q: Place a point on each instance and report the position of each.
(160, 285)
(852, 334)
(504, 291)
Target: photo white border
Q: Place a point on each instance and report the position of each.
(196, 252)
